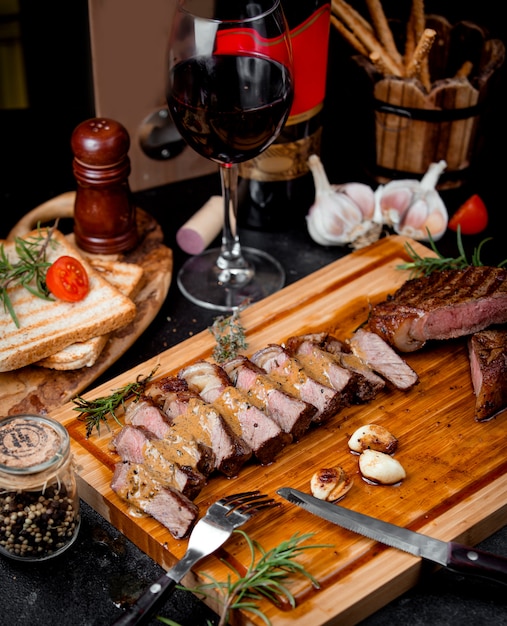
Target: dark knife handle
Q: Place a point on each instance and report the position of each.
(151, 600)
(467, 560)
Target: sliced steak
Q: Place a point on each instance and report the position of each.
(291, 375)
(147, 413)
(189, 413)
(368, 384)
(488, 366)
(134, 484)
(443, 305)
(262, 434)
(322, 366)
(290, 413)
(137, 445)
(372, 349)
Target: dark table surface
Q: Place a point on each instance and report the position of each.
(104, 571)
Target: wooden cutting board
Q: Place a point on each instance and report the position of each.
(456, 485)
(39, 390)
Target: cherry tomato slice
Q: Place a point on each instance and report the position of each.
(472, 216)
(67, 279)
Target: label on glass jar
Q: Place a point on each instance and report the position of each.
(26, 443)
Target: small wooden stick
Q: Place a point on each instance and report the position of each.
(348, 35)
(420, 54)
(345, 12)
(383, 30)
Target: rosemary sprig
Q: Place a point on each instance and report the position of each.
(230, 336)
(264, 578)
(97, 411)
(29, 271)
(426, 265)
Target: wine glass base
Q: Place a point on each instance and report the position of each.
(202, 282)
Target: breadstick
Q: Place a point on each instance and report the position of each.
(349, 36)
(348, 16)
(336, 5)
(464, 70)
(420, 55)
(383, 30)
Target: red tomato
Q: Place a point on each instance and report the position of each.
(472, 216)
(67, 279)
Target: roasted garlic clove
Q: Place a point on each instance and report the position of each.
(373, 437)
(412, 207)
(380, 467)
(330, 483)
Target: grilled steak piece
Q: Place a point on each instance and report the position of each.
(367, 383)
(322, 366)
(189, 413)
(443, 305)
(147, 413)
(262, 434)
(290, 413)
(290, 373)
(488, 366)
(372, 349)
(137, 445)
(134, 484)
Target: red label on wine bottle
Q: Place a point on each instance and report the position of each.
(310, 41)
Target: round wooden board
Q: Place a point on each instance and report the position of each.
(39, 390)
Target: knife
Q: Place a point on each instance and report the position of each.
(455, 556)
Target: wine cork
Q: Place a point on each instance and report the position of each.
(200, 230)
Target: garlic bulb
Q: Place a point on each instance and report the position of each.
(353, 214)
(340, 213)
(412, 207)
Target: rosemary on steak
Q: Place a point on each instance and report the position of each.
(229, 335)
(96, 412)
(29, 271)
(425, 265)
(264, 578)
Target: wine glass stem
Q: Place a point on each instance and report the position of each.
(233, 268)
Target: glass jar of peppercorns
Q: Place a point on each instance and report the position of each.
(39, 503)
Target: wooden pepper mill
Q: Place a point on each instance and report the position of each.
(104, 216)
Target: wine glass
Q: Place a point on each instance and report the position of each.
(229, 93)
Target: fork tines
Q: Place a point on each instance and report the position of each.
(248, 502)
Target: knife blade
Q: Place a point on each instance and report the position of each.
(450, 554)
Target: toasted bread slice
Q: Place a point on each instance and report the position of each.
(126, 277)
(47, 326)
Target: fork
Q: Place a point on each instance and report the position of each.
(210, 532)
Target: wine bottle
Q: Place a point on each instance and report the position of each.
(276, 188)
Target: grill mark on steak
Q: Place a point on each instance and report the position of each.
(133, 483)
(262, 434)
(372, 349)
(487, 351)
(290, 413)
(190, 413)
(443, 305)
(290, 373)
(137, 445)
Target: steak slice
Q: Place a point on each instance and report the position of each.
(372, 349)
(322, 366)
(290, 373)
(134, 484)
(137, 445)
(488, 366)
(290, 413)
(443, 305)
(367, 383)
(262, 434)
(147, 414)
(189, 413)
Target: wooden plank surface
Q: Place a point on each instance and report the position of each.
(456, 485)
